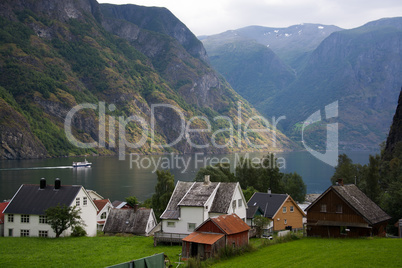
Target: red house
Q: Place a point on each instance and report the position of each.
(213, 234)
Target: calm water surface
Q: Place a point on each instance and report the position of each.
(116, 179)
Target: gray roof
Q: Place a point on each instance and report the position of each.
(198, 194)
(269, 203)
(358, 201)
(127, 221)
(172, 210)
(30, 199)
(223, 197)
(252, 210)
(195, 194)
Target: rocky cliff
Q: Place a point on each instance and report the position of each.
(120, 62)
(395, 133)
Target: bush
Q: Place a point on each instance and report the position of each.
(78, 231)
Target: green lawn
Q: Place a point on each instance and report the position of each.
(104, 251)
(78, 251)
(316, 252)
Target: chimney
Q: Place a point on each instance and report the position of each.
(42, 184)
(135, 207)
(340, 182)
(57, 184)
(206, 180)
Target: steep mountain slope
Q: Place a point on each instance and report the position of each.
(360, 68)
(55, 55)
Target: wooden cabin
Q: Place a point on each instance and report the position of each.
(213, 234)
(345, 211)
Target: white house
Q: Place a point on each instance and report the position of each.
(25, 214)
(104, 206)
(194, 202)
(94, 195)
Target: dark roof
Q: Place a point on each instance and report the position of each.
(127, 221)
(223, 197)
(253, 210)
(30, 199)
(229, 224)
(357, 200)
(269, 203)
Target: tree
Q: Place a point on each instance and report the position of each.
(248, 193)
(163, 191)
(132, 200)
(294, 186)
(260, 223)
(218, 173)
(372, 189)
(60, 218)
(349, 172)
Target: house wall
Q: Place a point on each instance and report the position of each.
(348, 215)
(239, 210)
(294, 219)
(88, 212)
(237, 240)
(331, 200)
(151, 223)
(187, 215)
(33, 226)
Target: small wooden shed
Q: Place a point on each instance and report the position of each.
(214, 234)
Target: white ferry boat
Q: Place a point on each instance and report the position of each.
(82, 164)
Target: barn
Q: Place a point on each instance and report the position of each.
(213, 234)
(345, 211)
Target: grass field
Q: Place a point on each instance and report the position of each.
(105, 251)
(316, 252)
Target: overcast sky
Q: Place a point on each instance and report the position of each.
(208, 17)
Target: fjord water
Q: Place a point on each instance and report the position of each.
(117, 179)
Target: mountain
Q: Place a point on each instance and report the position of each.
(360, 68)
(83, 78)
(394, 138)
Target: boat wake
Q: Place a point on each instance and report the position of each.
(34, 168)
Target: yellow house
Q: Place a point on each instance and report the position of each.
(281, 209)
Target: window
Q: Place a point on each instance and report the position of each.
(42, 219)
(339, 208)
(24, 233)
(43, 233)
(190, 227)
(284, 209)
(286, 221)
(239, 203)
(171, 224)
(292, 209)
(234, 205)
(77, 201)
(84, 201)
(25, 218)
(10, 232)
(323, 208)
(103, 215)
(10, 217)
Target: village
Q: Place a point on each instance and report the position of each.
(203, 217)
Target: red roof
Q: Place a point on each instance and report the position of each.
(230, 224)
(203, 238)
(2, 207)
(100, 204)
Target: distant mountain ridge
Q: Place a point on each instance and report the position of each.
(360, 68)
(57, 54)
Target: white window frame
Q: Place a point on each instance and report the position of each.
(189, 228)
(283, 209)
(77, 201)
(239, 203)
(10, 217)
(43, 233)
(323, 208)
(171, 224)
(42, 219)
(84, 201)
(292, 209)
